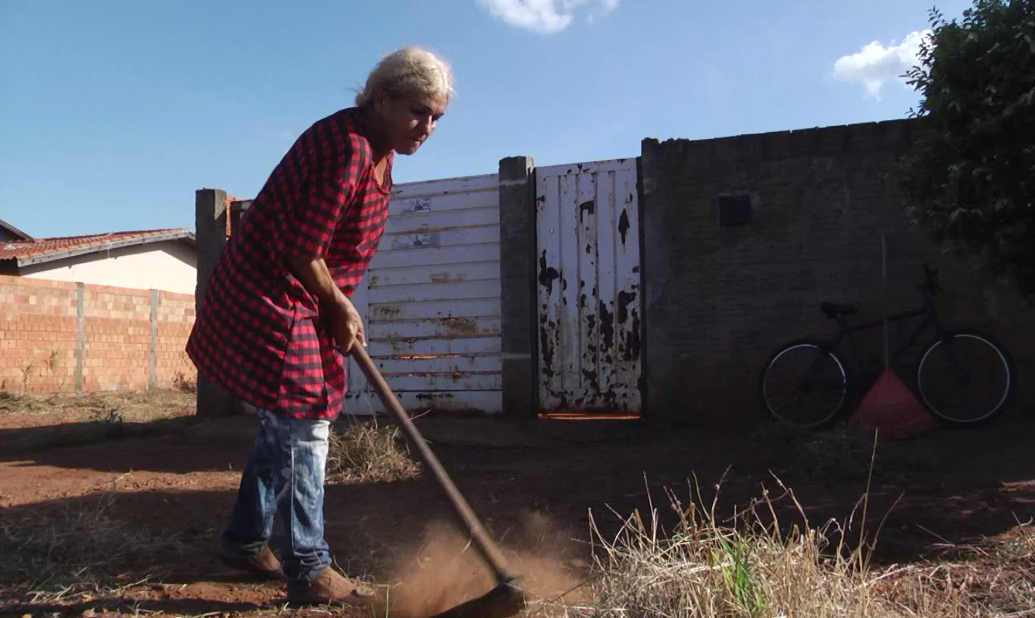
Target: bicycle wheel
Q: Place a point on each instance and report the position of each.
(804, 384)
(973, 389)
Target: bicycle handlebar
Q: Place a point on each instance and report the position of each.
(930, 284)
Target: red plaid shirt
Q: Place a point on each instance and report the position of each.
(259, 332)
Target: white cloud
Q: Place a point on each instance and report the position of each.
(874, 65)
(544, 16)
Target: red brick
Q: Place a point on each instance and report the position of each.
(118, 348)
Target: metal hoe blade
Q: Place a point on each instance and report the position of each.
(504, 600)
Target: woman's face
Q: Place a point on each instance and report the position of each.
(407, 122)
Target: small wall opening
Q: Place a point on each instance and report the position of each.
(735, 210)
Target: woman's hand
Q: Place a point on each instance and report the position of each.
(345, 324)
(339, 314)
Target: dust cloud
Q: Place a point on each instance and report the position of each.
(445, 570)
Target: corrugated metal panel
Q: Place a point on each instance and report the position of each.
(432, 299)
(367, 403)
(589, 283)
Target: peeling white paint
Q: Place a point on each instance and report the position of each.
(588, 259)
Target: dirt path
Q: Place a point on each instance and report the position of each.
(177, 489)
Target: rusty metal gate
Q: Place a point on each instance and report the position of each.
(588, 250)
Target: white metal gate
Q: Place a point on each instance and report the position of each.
(588, 251)
(431, 299)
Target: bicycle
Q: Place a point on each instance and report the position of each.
(828, 375)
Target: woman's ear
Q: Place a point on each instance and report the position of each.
(380, 98)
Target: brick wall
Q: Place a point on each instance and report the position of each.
(720, 299)
(118, 338)
(38, 335)
(175, 319)
(57, 336)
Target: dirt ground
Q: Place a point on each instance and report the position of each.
(171, 480)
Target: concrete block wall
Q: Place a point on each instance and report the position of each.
(57, 336)
(720, 299)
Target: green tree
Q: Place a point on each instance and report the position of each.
(971, 178)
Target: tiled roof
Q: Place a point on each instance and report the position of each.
(44, 247)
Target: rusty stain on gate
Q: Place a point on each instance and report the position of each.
(588, 248)
(431, 299)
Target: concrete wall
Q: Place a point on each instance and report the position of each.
(719, 298)
(168, 266)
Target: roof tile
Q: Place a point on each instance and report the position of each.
(45, 246)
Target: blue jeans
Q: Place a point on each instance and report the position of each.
(284, 476)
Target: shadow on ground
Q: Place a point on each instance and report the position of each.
(948, 486)
(26, 442)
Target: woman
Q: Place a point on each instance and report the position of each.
(277, 323)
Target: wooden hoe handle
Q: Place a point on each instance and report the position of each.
(463, 511)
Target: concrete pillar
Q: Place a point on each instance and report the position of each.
(517, 275)
(660, 370)
(210, 229)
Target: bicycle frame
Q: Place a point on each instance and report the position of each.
(845, 331)
(850, 361)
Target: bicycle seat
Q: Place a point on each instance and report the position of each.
(832, 310)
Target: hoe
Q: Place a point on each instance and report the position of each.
(507, 598)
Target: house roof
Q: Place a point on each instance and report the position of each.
(40, 250)
(13, 230)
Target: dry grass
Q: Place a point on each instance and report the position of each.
(703, 568)
(129, 406)
(33, 422)
(995, 578)
(76, 552)
(364, 452)
(755, 567)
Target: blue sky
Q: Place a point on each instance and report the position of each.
(113, 112)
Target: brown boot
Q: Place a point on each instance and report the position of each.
(328, 587)
(265, 564)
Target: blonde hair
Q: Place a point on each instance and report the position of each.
(410, 71)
